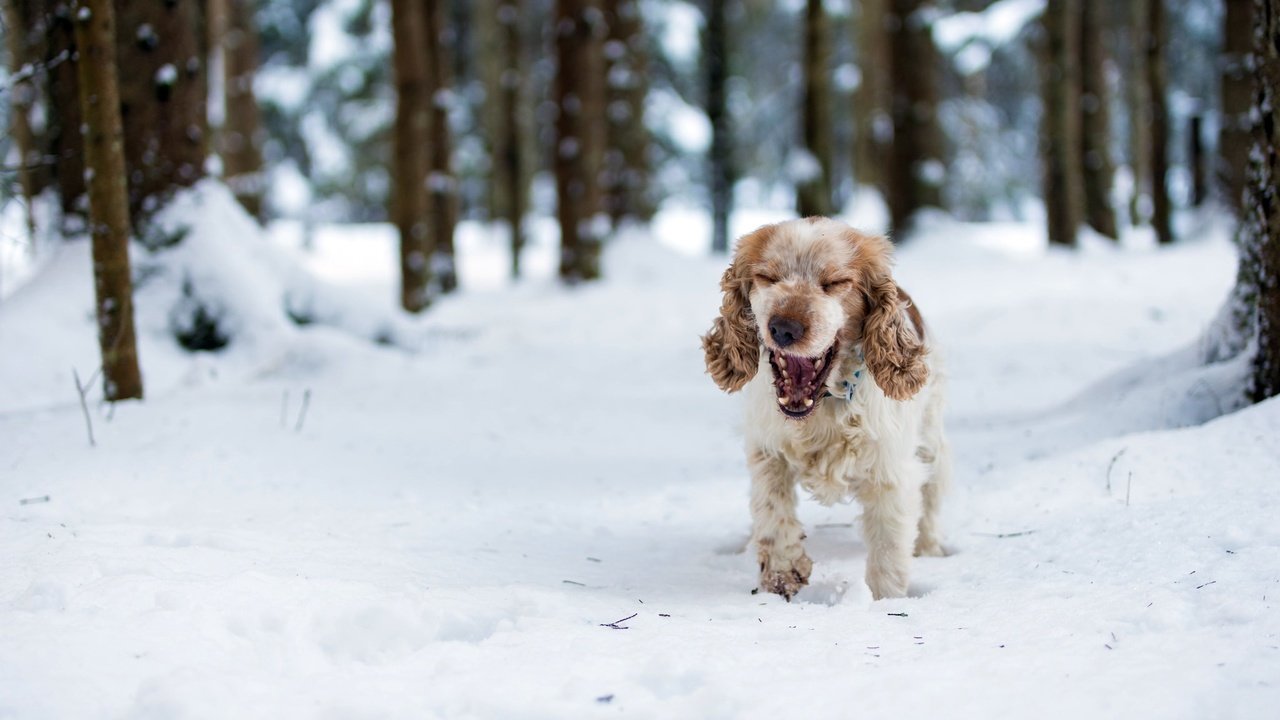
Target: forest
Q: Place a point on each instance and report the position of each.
(349, 356)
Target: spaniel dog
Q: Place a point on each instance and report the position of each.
(850, 402)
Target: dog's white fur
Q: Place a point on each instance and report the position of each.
(889, 454)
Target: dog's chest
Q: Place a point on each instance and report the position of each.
(829, 453)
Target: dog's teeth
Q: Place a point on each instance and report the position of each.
(782, 400)
(808, 402)
(818, 365)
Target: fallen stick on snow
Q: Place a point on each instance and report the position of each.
(1020, 533)
(616, 624)
(302, 413)
(34, 500)
(84, 406)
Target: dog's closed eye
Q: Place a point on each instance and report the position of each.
(836, 285)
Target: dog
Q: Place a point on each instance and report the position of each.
(850, 401)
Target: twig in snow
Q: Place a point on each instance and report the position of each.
(573, 582)
(284, 409)
(34, 500)
(1206, 584)
(1112, 465)
(302, 414)
(897, 614)
(1001, 536)
(617, 624)
(1127, 487)
(81, 389)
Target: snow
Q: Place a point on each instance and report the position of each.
(451, 523)
(973, 36)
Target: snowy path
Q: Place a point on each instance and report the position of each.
(449, 529)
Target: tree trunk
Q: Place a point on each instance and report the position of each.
(240, 143)
(162, 100)
(917, 171)
(1235, 135)
(1060, 86)
(1195, 132)
(65, 143)
(1157, 83)
(1262, 223)
(108, 202)
(579, 96)
(874, 121)
(509, 170)
(1138, 96)
(411, 136)
(813, 188)
(22, 91)
(627, 193)
(1095, 121)
(720, 159)
(442, 183)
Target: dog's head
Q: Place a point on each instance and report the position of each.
(806, 290)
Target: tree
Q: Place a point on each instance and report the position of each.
(108, 203)
(1235, 133)
(813, 184)
(23, 96)
(1261, 235)
(509, 168)
(871, 101)
(1095, 121)
(1157, 39)
(442, 183)
(720, 156)
(62, 87)
(1060, 84)
(411, 135)
(163, 99)
(579, 97)
(1138, 98)
(240, 142)
(626, 160)
(917, 171)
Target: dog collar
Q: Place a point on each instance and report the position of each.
(850, 384)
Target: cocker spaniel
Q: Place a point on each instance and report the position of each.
(851, 401)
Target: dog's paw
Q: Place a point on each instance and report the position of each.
(786, 579)
(930, 548)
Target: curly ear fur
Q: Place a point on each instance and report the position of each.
(893, 351)
(732, 346)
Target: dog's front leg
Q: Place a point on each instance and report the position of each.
(775, 530)
(891, 503)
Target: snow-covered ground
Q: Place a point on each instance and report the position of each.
(311, 525)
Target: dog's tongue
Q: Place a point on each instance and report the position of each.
(797, 378)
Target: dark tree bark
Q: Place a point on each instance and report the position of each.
(1235, 134)
(442, 183)
(579, 96)
(509, 170)
(626, 162)
(720, 157)
(65, 143)
(918, 169)
(814, 193)
(1060, 87)
(22, 95)
(1262, 221)
(108, 206)
(1157, 83)
(411, 136)
(871, 103)
(1095, 121)
(1195, 133)
(240, 142)
(1138, 97)
(163, 98)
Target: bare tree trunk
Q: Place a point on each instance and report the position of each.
(108, 202)
(1060, 81)
(720, 159)
(162, 99)
(1095, 122)
(917, 171)
(240, 143)
(1262, 224)
(65, 143)
(579, 95)
(1157, 82)
(626, 161)
(509, 167)
(1235, 135)
(442, 183)
(1195, 132)
(411, 136)
(22, 91)
(1138, 95)
(813, 193)
(874, 132)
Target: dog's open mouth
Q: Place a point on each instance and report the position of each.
(800, 382)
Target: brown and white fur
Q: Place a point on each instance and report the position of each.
(805, 296)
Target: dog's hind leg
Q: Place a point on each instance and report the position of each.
(775, 529)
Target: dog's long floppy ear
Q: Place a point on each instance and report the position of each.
(732, 346)
(894, 352)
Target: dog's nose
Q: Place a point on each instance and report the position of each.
(785, 331)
